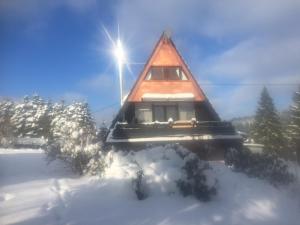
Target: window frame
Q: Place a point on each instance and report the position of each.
(145, 107)
(164, 105)
(164, 75)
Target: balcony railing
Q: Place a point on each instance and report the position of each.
(176, 129)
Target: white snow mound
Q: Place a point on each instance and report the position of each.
(161, 167)
(33, 192)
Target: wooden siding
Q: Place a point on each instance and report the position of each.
(165, 54)
(166, 87)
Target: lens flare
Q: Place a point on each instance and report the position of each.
(121, 59)
(119, 52)
(120, 56)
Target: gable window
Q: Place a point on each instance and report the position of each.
(166, 73)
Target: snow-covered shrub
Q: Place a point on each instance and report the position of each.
(160, 166)
(195, 181)
(159, 170)
(261, 165)
(73, 130)
(52, 150)
(79, 161)
(96, 165)
(139, 186)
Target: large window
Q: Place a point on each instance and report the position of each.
(162, 112)
(186, 110)
(159, 113)
(172, 112)
(166, 73)
(143, 112)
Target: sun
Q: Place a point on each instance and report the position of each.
(119, 52)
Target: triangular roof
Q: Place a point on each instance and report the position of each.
(165, 54)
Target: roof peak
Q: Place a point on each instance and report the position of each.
(167, 34)
(165, 54)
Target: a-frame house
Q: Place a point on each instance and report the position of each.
(166, 104)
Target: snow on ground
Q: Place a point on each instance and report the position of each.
(32, 192)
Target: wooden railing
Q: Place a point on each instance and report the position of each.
(124, 130)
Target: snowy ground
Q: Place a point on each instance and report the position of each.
(32, 192)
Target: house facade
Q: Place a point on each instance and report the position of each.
(166, 104)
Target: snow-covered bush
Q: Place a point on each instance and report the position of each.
(73, 136)
(52, 150)
(158, 170)
(261, 165)
(139, 186)
(152, 171)
(96, 165)
(195, 180)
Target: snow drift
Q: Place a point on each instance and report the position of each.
(32, 192)
(161, 168)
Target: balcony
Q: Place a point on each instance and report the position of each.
(173, 132)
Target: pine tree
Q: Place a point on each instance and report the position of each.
(57, 117)
(74, 129)
(6, 127)
(31, 117)
(40, 121)
(293, 131)
(267, 128)
(19, 118)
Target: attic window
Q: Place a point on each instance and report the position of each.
(166, 73)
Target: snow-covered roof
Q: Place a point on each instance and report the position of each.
(168, 97)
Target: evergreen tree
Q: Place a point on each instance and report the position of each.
(73, 128)
(293, 130)
(267, 129)
(31, 117)
(57, 116)
(40, 123)
(6, 128)
(19, 119)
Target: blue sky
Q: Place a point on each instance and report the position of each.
(58, 48)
